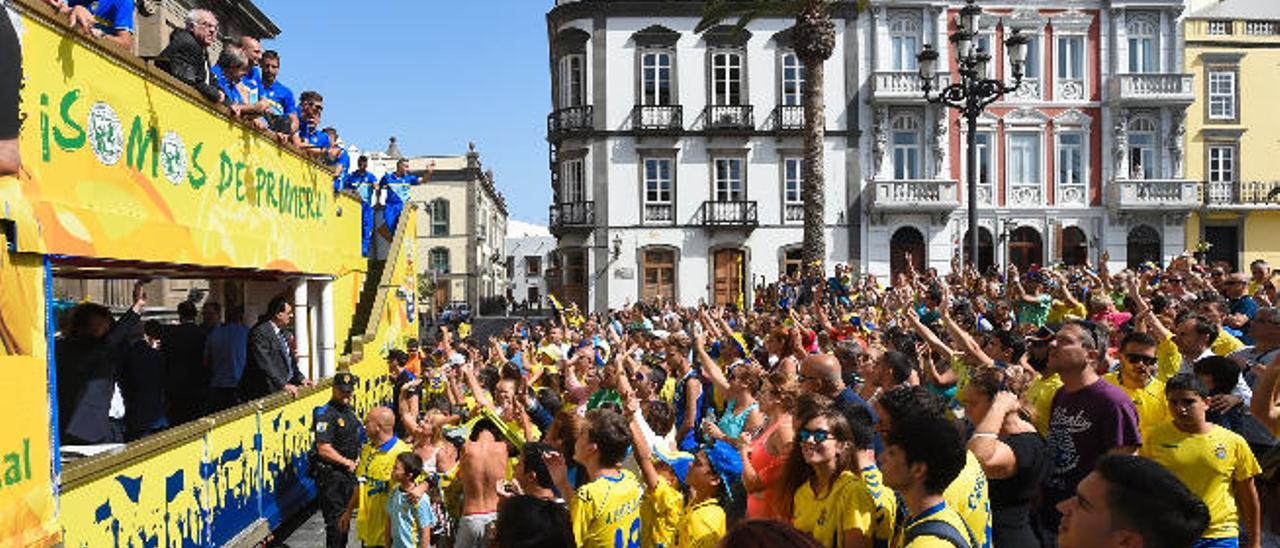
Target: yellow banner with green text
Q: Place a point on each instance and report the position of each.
(116, 165)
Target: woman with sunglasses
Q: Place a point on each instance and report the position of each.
(829, 499)
(1012, 454)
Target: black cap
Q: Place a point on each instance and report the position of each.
(345, 381)
(1044, 334)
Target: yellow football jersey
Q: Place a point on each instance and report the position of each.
(1153, 408)
(702, 525)
(1208, 464)
(886, 501)
(606, 512)
(1040, 399)
(847, 505)
(374, 473)
(968, 496)
(660, 515)
(943, 512)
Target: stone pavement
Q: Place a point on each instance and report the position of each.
(306, 531)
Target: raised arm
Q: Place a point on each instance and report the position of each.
(709, 366)
(1264, 406)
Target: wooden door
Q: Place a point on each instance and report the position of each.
(728, 273)
(659, 275)
(441, 297)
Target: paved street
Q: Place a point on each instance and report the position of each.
(308, 533)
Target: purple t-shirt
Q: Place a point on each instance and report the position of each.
(1083, 426)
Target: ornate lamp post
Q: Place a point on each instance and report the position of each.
(973, 93)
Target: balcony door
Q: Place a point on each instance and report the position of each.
(729, 276)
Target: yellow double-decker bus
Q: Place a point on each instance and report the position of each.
(128, 174)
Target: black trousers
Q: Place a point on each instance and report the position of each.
(333, 491)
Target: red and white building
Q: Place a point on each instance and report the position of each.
(1086, 155)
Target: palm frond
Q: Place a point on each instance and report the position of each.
(744, 11)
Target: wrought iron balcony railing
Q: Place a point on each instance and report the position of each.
(729, 214)
(657, 118)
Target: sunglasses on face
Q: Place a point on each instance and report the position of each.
(818, 436)
(1141, 359)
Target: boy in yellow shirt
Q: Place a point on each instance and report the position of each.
(716, 468)
(922, 456)
(663, 470)
(606, 510)
(1215, 463)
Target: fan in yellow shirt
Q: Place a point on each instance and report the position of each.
(1214, 463)
(663, 470)
(606, 510)
(830, 502)
(377, 460)
(922, 456)
(713, 478)
(1138, 367)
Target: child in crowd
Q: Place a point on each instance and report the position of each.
(411, 523)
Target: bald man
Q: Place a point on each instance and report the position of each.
(484, 464)
(820, 374)
(256, 103)
(374, 474)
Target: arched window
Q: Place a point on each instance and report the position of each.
(1144, 30)
(1026, 248)
(906, 146)
(1142, 246)
(904, 39)
(1143, 157)
(439, 217)
(792, 80)
(1075, 246)
(986, 249)
(438, 260)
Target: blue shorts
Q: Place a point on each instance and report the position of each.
(1230, 542)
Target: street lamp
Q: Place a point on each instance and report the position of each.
(973, 93)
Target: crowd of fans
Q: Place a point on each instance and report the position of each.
(1064, 406)
(120, 379)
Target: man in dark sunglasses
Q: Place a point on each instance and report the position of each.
(1138, 377)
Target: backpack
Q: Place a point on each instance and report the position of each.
(937, 529)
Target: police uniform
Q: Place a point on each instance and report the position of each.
(336, 424)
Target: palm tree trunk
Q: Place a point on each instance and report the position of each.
(813, 192)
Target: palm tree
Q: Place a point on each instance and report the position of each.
(815, 40)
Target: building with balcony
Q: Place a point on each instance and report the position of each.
(675, 157)
(529, 252)
(1086, 154)
(462, 226)
(1233, 47)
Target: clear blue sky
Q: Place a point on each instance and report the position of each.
(435, 74)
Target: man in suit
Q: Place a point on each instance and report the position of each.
(187, 55)
(187, 378)
(271, 366)
(88, 361)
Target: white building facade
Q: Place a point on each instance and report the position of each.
(675, 156)
(528, 260)
(1086, 155)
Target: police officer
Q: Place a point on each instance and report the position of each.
(338, 433)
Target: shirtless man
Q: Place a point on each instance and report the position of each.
(484, 464)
